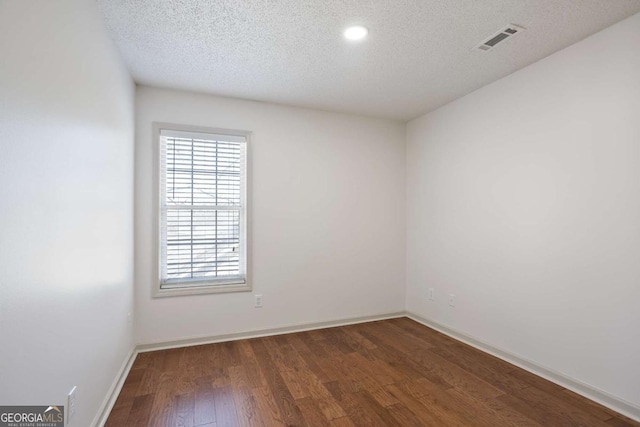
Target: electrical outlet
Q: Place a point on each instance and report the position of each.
(72, 400)
(452, 300)
(431, 294)
(258, 300)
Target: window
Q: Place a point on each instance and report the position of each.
(202, 201)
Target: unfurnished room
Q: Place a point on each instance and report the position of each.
(219, 213)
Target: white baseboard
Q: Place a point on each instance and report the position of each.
(164, 345)
(114, 390)
(590, 392)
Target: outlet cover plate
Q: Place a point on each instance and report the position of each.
(72, 402)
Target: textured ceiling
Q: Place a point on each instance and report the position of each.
(418, 55)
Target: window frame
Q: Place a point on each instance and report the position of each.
(200, 287)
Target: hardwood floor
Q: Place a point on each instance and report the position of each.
(387, 373)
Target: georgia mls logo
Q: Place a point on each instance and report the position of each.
(31, 416)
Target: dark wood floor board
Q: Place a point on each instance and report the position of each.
(297, 342)
(345, 342)
(482, 358)
(585, 405)
(547, 409)
(120, 412)
(333, 347)
(238, 377)
(152, 373)
(621, 421)
(404, 416)
(184, 410)
(323, 397)
(286, 403)
(204, 411)
(311, 413)
(140, 410)
(312, 365)
(421, 387)
(172, 358)
(162, 407)
(312, 344)
(330, 408)
(246, 405)
(410, 339)
(373, 370)
(431, 336)
(250, 364)
(132, 383)
(275, 354)
(352, 331)
(225, 407)
(385, 368)
(500, 413)
(280, 339)
(342, 422)
(348, 379)
(381, 333)
(294, 361)
(219, 356)
(353, 408)
(193, 362)
(400, 362)
(317, 334)
(500, 380)
(329, 370)
(267, 406)
(219, 377)
(357, 376)
(313, 384)
(535, 381)
(383, 397)
(186, 379)
(442, 371)
(395, 372)
(446, 407)
(370, 404)
(295, 384)
(421, 412)
(232, 351)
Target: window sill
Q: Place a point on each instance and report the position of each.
(200, 290)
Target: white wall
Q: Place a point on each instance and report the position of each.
(524, 201)
(66, 206)
(328, 217)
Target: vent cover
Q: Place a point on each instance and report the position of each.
(497, 38)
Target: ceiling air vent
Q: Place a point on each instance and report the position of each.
(497, 38)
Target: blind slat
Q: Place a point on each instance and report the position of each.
(202, 207)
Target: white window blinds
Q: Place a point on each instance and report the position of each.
(202, 209)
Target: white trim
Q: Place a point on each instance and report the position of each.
(188, 342)
(589, 391)
(233, 136)
(201, 290)
(157, 291)
(203, 208)
(112, 395)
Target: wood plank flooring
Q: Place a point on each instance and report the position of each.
(386, 373)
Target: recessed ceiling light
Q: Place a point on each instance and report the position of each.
(356, 32)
